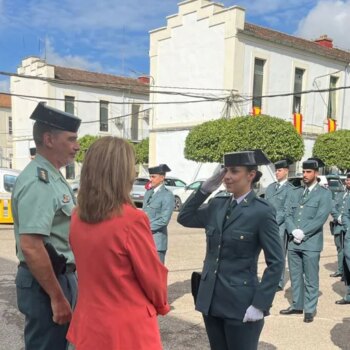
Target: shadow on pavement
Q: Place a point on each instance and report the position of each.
(331, 266)
(339, 287)
(340, 334)
(178, 290)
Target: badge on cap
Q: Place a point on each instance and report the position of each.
(43, 175)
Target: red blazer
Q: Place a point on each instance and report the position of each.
(121, 282)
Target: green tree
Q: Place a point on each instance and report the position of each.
(332, 148)
(85, 142)
(142, 151)
(278, 138)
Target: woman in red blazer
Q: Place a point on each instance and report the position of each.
(122, 284)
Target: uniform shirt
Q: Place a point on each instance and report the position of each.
(42, 202)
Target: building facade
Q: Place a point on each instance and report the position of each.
(208, 49)
(107, 104)
(6, 131)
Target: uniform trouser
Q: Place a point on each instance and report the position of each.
(338, 240)
(40, 332)
(229, 334)
(284, 240)
(161, 254)
(304, 276)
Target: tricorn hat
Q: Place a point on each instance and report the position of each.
(160, 169)
(246, 158)
(283, 163)
(55, 118)
(313, 164)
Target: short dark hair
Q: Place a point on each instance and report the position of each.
(39, 129)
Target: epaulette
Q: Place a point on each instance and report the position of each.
(43, 175)
(262, 200)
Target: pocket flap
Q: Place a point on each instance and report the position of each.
(24, 281)
(151, 310)
(67, 209)
(243, 236)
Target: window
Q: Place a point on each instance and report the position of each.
(332, 104)
(179, 183)
(10, 125)
(195, 185)
(9, 182)
(298, 87)
(103, 116)
(69, 104)
(258, 82)
(135, 121)
(141, 182)
(168, 182)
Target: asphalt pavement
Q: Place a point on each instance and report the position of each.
(183, 327)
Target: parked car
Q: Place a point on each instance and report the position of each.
(138, 189)
(75, 184)
(182, 194)
(332, 182)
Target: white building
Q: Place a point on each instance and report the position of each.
(107, 104)
(206, 45)
(5, 132)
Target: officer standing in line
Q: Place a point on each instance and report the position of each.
(159, 204)
(42, 202)
(307, 210)
(337, 227)
(231, 298)
(276, 194)
(345, 220)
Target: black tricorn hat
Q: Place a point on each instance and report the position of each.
(348, 175)
(160, 169)
(313, 164)
(284, 163)
(55, 118)
(246, 158)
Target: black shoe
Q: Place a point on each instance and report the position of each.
(291, 311)
(336, 274)
(342, 302)
(308, 318)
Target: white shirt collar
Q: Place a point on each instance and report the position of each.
(282, 182)
(241, 198)
(311, 187)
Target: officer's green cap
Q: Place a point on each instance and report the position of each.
(55, 118)
(246, 158)
(160, 169)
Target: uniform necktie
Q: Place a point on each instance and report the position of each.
(230, 209)
(277, 186)
(150, 197)
(306, 193)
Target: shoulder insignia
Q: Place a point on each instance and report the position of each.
(43, 175)
(262, 200)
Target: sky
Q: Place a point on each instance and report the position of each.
(111, 36)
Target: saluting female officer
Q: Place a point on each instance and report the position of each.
(230, 296)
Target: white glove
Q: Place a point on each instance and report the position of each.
(253, 314)
(298, 234)
(213, 183)
(339, 220)
(296, 240)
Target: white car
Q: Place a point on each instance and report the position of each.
(182, 194)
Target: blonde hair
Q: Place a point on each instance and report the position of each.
(106, 179)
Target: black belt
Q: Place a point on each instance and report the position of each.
(69, 267)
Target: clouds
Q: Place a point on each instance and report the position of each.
(328, 17)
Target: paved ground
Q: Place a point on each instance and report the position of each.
(183, 328)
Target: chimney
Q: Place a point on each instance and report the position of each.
(143, 80)
(323, 40)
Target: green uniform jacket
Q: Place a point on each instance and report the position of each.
(278, 200)
(42, 203)
(159, 210)
(338, 209)
(229, 283)
(309, 215)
